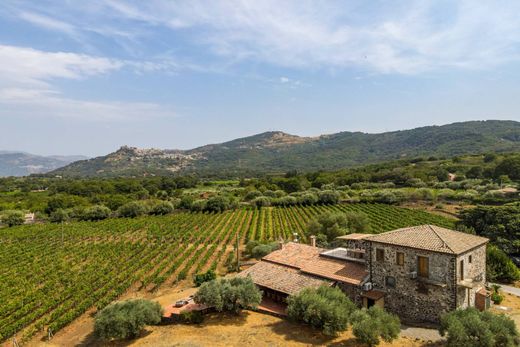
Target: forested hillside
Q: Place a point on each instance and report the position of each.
(279, 152)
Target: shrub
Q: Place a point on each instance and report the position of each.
(132, 209)
(94, 213)
(469, 327)
(372, 325)
(324, 308)
(232, 294)
(496, 297)
(58, 216)
(13, 218)
(308, 199)
(251, 195)
(186, 202)
(126, 319)
(328, 197)
(285, 201)
(217, 204)
(499, 267)
(162, 208)
(261, 201)
(209, 275)
(262, 250)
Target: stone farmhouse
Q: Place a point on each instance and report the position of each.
(418, 273)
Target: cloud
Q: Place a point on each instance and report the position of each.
(404, 37)
(48, 22)
(23, 66)
(26, 85)
(49, 104)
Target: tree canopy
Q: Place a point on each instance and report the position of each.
(231, 295)
(12, 218)
(325, 308)
(327, 226)
(126, 319)
(470, 327)
(372, 325)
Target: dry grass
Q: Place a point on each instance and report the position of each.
(247, 329)
(513, 302)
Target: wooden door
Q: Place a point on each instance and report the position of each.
(423, 267)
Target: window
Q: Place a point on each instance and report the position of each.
(470, 259)
(399, 258)
(423, 267)
(380, 254)
(390, 281)
(461, 270)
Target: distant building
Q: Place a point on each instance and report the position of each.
(30, 218)
(418, 273)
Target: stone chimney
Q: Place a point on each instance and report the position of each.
(313, 241)
(280, 244)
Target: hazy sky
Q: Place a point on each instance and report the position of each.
(85, 77)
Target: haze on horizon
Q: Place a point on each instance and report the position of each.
(88, 77)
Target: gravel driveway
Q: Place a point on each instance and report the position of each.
(425, 334)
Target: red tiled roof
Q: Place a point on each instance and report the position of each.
(281, 278)
(294, 254)
(431, 238)
(337, 270)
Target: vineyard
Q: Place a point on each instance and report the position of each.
(51, 273)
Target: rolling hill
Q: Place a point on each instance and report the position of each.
(279, 152)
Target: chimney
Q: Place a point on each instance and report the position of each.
(280, 244)
(313, 241)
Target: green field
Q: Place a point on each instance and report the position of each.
(51, 274)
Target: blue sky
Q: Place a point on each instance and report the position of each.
(85, 77)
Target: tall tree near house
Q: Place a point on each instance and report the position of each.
(231, 295)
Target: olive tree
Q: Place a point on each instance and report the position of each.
(96, 212)
(372, 325)
(470, 327)
(162, 208)
(126, 319)
(327, 226)
(12, 218)
(132, 209)
(325, 308)
(232, 294)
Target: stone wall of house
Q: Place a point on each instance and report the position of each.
(474, 272)
(414, 300)
(352, 291)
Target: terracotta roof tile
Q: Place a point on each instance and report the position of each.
(294, 254)
(337, 270)
(281, 278)
(431, 238)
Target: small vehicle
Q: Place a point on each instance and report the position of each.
(181, 303)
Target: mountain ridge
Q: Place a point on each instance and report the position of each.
(19, 163)
(276, 151)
